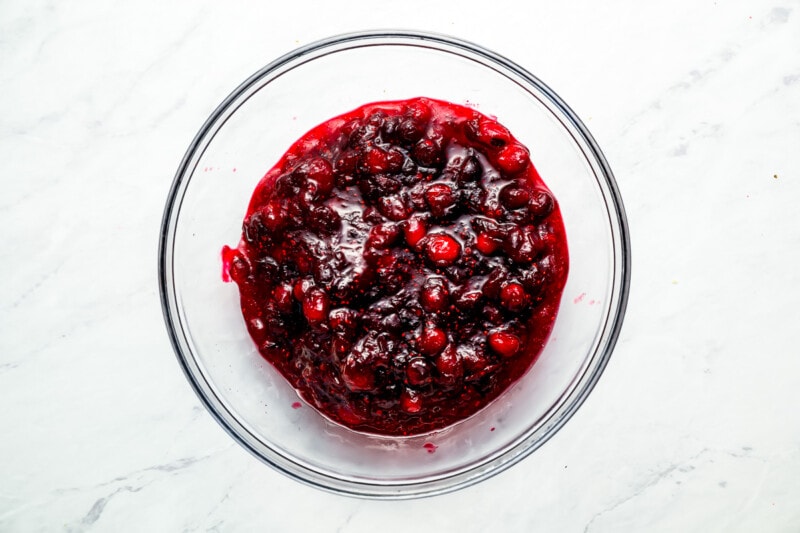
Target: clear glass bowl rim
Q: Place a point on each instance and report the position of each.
(378, 490)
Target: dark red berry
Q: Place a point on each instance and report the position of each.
(514, 197)
(513, 159)
(411, 130)
(394, 160)
(431, 341)
(417, 110)
(301, 287)
(282, 296)
(343, 321)
(346, 165)
(471, 170)
(393, 261)
(324, 219)
(427, 152)
(486, 244)
(435, 296)
(541, 203)
(315, 305)
(383, 236)
(439, 197)
(513, 296)
(504, 344)
(318, 173)
(449, 365)
(442, 249)
(410, 401)
(487, 132)
(394, 208)
(273, 216)
(375, 161)
(239, 269)
(418, 372)
(357, 373)
(468, 300)
(414, 230)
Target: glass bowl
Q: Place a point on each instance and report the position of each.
(249, 132)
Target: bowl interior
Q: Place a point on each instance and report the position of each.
(248, 135)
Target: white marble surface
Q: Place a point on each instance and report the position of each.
(694, 425)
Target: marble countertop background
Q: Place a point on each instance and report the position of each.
(695, 424)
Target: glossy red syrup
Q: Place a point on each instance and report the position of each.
(401, 265)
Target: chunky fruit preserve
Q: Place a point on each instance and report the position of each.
(401, 265)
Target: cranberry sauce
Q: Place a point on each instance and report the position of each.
(401, 265)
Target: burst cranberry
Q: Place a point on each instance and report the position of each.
(376, 161)
(346, 165)
(383, 236)
(282, 296)
(394, 160)
(487, 132)
(343, 321)
(273, 215)
(427, 152)
(393, 261)
(468, 300)
(301, 286)
(439, 197)
(239, 269)
(410, 401)
(541, 203)
(394, 208)
(450, 365)
(486, 244)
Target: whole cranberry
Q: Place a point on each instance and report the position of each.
(383, 236)
(418, 372)
(431, 341)
(449, 365)
(282, 295)
(434, 296)
(439, 197)
(414, 230)
(411, 401)
(358, 375)
(442, 249)
(514, 197)
(504, 344)
(315, 305)
(427, 152)
(513, 296)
